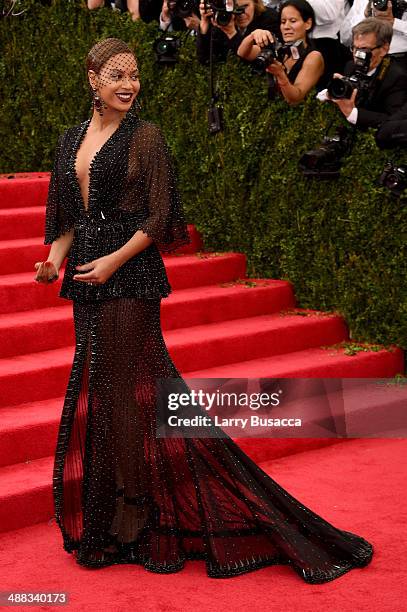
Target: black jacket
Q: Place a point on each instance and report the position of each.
(131, 186)
(269, 20)
(387, 95)
(393, 132)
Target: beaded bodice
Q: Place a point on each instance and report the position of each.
(131, 186)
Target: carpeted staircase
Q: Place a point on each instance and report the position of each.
(217, 323)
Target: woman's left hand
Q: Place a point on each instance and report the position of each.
(229, 29)
(262, 38)
(98, 271)
(276, 68)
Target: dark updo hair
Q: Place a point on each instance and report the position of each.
(103, 50)
(303, 7)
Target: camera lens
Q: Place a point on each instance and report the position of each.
(340, 89)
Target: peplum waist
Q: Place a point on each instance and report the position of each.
(100, 233)
(101, 220)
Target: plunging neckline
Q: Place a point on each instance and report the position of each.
(86, 205)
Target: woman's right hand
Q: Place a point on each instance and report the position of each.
(205, 17)
(165, 12)
(262, 38)
(46, 272)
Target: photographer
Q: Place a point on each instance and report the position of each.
(295, 77)
(362, 9)
(227, 38)
(383, 87)
(179, 15)
(393, 132)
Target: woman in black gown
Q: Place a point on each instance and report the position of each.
(123, 495)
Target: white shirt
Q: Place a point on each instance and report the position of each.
(357, 14)
(274, 4)
(329, 15)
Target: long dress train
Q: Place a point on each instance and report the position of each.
(124, 496)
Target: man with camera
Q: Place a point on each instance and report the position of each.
(180, 15)
(393, 12)
(231, 21)
(373, 87)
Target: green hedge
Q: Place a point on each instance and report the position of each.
(342, 242)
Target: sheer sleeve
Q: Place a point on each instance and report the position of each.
(58, 220)
(166, 223)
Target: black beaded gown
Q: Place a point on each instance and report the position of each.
(123, 495)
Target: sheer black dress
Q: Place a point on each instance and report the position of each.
(121, 494)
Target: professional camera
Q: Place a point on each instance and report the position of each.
(265, 58)
(276, 51)
(223, 10)
(394, 178)
(183, 8)
(166, 49)
(342, 88)
(326, 161)
(398, 7)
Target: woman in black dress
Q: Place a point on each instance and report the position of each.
(301, 66)
(123, 495)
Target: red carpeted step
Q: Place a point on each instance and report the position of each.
(24, 222)
(49, 328)
(312, 363)
(254, 337)
(45, 374)
(28, 431)
(19, 292)
(25, 175)
(23, 192)
(35, 376)
(26, 493)
(20, 254)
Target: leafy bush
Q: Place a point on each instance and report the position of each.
(341, 242)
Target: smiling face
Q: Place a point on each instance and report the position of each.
(117, 83)
(292, 25)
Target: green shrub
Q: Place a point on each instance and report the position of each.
(341, 242)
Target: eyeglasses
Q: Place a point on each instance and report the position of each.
(367, 49)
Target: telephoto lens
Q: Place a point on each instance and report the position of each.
(340, 89)
(265, 58)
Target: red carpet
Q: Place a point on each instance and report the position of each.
(357, 485)
(216, 324)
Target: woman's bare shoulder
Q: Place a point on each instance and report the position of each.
(314, 58)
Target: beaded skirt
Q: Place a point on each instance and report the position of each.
(122, 495)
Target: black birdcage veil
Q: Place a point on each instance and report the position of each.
(111, 62)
